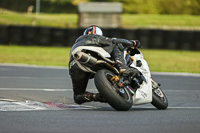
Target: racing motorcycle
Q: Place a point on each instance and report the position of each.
(120, 92)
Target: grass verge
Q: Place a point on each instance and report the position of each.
(158, 60)
(127, 20)
(50, 56)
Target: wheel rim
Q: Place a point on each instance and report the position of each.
(122, 92)
(160, 94)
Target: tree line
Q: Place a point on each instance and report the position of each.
(129, 6)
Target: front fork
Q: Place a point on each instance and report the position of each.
(156, 88)
(154, 84)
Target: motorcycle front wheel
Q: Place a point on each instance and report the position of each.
(118, 98)
(159, 100)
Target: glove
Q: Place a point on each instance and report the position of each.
(136, 72)
(136, 43)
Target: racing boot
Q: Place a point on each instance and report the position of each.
(118, 56)
(88, 97)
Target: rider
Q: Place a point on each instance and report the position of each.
(93, 36)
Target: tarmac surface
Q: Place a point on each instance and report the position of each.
(39, 99)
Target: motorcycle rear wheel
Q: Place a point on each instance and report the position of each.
(119, 100)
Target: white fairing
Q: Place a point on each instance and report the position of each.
(144, 93)
(98, 50)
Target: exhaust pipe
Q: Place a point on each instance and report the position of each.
(85, 59)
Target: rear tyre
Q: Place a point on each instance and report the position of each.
(120, 100)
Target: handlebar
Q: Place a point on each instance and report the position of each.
(124, 42)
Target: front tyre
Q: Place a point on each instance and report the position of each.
(119, 99)
(159, 100)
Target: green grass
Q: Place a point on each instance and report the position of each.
(158, 60)
(50, 56)
(52, 20)
(127, 20)
(161, 21)
(173, 61)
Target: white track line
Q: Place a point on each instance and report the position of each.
(34, 66)
(184, 107)
(36, 89)
(134, 107)
(176, 74)
(56, 78)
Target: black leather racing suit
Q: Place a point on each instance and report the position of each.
(93, 40)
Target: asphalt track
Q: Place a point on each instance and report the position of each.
(39, 100)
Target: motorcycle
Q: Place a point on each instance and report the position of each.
(120, 92)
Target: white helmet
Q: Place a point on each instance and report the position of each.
(93, 30)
